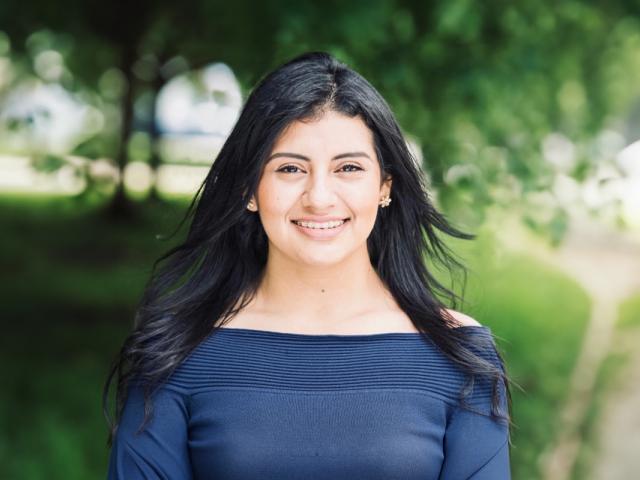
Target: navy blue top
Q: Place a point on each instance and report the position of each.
(255, 404)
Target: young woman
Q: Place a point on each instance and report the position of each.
(296, 333)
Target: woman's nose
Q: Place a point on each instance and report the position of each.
(320, 192)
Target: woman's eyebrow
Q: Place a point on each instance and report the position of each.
(307, 159)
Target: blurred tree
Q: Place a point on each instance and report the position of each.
(480, 84)
(143, 40)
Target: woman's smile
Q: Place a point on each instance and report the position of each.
(320, 230)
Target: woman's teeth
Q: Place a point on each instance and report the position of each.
(324, 225)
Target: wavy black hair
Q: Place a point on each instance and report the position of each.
(197, 286)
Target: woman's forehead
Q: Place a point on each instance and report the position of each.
(332, 132)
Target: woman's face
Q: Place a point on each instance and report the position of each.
(321, 173)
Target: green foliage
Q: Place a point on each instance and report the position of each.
(479, 84)
(48, 162)
(629, 313)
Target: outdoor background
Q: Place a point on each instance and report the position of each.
(525, 115)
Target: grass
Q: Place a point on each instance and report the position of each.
(74, 280)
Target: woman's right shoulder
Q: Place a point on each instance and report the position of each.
(462, 319)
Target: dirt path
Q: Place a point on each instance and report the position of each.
(618, 428)
(606, 264)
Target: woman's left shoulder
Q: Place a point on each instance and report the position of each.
(463, 319)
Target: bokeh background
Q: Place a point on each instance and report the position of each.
(525, 116)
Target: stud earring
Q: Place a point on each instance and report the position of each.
(385, 201)
(251, 206)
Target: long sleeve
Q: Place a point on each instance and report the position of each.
(255, 404)
(160, 451)
(475, 448)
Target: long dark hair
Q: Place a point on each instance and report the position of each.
(200, 284)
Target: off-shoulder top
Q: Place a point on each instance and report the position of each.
(255, 404)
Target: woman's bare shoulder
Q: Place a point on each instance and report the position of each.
(463, 319)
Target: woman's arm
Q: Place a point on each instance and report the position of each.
(160, 451)
(475, 448)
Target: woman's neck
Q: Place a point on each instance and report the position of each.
(312, 295)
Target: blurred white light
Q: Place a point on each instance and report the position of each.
(18, 175)
(541, 205)
(138, 176)
(15, 172)
(53, 120)
(608, 143)
(49, 65)
(559, 151)
(180, 179)
(566, 189)
(68, 181)
(190, 148)
(629, 159)
(104, 170)
(631, 202)
(206, 101)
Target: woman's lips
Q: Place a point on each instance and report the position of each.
(320, 233)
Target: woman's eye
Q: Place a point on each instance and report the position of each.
(355, 167)
(295, 169)
(286, 169)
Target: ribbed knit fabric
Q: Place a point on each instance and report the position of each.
(254, 404)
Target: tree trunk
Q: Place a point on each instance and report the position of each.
(120, 206)
(154, 134)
